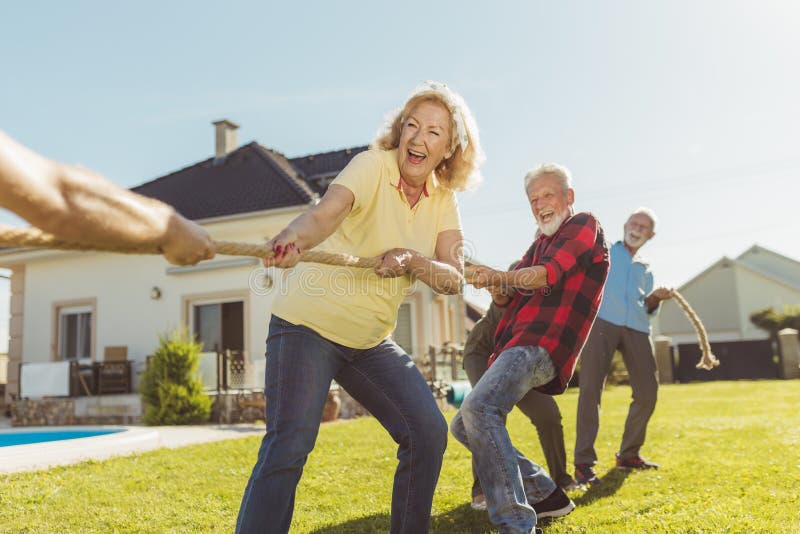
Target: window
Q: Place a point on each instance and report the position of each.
(75, 332)
(219, 326)
(403, 333)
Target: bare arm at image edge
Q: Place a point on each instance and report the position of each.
(79, 205)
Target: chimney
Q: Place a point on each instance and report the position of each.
(225, 135)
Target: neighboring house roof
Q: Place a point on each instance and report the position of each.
(765, 260)
(724, 304)
(248, 179)
(320, 169)
(768, 275)
(759, 248)
(756, 269)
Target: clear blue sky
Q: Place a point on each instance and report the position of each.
(690, 108)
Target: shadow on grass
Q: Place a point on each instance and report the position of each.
(609, 485)
(462, 519)
(373, 523)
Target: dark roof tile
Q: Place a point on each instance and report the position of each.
(251, 178)
(320, 169)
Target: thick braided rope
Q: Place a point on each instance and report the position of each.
(708, 361)
(33, 237)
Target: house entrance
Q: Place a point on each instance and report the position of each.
(219, 326)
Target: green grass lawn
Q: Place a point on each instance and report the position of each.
(729, 455)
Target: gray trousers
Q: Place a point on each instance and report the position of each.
(637, 353)
(543, 412)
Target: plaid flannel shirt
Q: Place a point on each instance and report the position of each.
(557, 317)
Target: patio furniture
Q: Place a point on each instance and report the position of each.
(113, 374)
(82, 380)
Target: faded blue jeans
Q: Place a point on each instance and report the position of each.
(299, 369)
(509, 480)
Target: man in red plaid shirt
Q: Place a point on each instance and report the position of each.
(551, 300)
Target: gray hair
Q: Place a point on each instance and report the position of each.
(647, 212)
(563, 174)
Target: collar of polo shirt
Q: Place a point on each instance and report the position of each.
(430, 184)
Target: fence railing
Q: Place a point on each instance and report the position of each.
(443, 364)
(226, 370)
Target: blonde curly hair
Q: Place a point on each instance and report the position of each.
(460, 171)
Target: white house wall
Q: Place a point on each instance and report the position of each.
(724, 298)
(714, 297)
(126, 315)
(757, 292)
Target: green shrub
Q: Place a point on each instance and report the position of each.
(171, 391)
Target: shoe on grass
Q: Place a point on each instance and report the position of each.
(585, 475)
(635, 462)
(557, 504)
(478, 502)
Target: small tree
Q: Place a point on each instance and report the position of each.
(791, 317)
(170, 388)
(773, 321)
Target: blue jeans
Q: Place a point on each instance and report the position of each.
(299, 369)
(509, 480)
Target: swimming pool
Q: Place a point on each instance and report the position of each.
(24, 437)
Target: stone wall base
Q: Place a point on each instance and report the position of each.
(249, 407)
(237, 407)
(66, 412)
(227, 408)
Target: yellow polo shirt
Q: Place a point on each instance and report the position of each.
(355, 307)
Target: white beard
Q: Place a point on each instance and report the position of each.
(634, 242)
(555, 223)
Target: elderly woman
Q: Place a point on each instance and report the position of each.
(395, 202)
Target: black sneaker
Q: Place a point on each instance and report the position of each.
(557, 504)
(636, 462)
(584, 474)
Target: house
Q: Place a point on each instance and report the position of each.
(68, 306)
(724, 295)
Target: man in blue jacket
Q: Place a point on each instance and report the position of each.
(623, 323)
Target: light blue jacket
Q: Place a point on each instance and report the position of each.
(629, 282)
